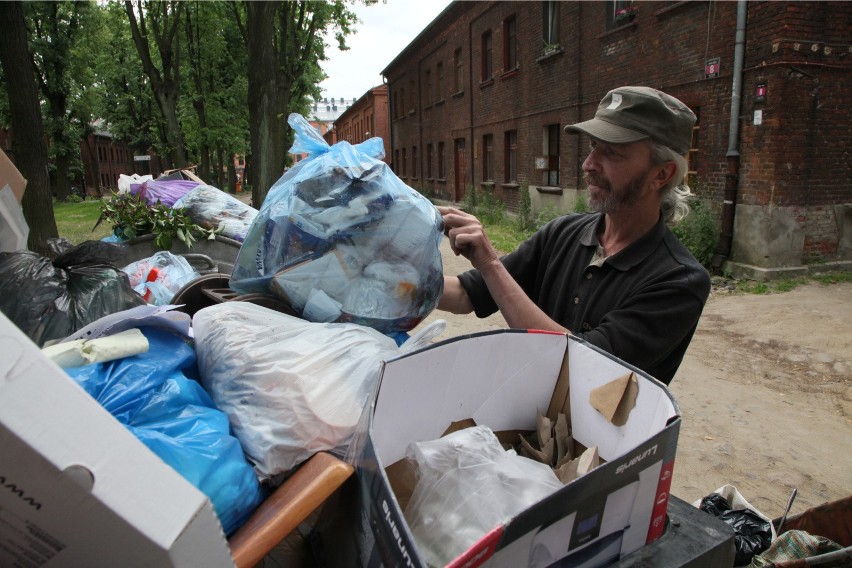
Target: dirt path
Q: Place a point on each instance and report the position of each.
(765, 392)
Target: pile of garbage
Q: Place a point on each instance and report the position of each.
(240, 395)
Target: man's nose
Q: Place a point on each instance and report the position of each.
(590, 164)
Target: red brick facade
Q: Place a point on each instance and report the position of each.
(366, 118)
(795, 155)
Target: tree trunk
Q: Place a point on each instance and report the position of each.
(220, 178)
(263, 125)
(28, 146)
(232, 173)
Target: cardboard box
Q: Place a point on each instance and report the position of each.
(77, 488)
(14, 229)
(499, 379)
(9, 175)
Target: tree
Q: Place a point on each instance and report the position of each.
(213, 106)
(29, 145)
(294, 50)
(162, 19)
(54, 29)
(125, 102)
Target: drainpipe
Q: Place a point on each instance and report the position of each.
(732, 175)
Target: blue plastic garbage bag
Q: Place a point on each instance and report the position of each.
(342, 239)
(170, 413)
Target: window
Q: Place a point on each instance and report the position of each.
(458, 77)
(511, 157)
(619, 12)
(412, 96)
(430, 157)
(488, 157)
(400, 107)
(439, 82)
(692, 153)
(487, 62)
(414, 162)
(510, 44)
(427, 92)
(442, 174)
(396, 162)
(550, 24)
(551, 150)
(404, 171)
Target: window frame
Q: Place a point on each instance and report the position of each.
(486, 62)
(510, 44)
(550, 23)
(488, 158)
(510, 156)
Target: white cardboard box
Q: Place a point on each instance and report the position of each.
(499, 379)
(78, 489)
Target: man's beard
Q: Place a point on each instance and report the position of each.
(614, 199)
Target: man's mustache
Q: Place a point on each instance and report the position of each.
(593, 179)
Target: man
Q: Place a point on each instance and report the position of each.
(618, 278)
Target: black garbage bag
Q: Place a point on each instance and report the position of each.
(52, 299)
(752, 534)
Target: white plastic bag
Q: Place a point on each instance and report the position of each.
(160, 276)
(467, 484)
(290, 387)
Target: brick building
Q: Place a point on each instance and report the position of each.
(480, 97)
(366, 118)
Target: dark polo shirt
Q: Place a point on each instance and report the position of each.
(641, 305)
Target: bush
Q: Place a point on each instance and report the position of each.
(524, 219)
(698, 232)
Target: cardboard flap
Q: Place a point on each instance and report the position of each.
(654, 406)
(484, 377)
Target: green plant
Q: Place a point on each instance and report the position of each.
(545, 215)
(490, 209)
(524, 218)
(470, 200)
(832, 277)
(698, 232)
(132, 217)
(581, 204)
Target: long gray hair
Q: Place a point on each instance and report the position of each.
(675, 194)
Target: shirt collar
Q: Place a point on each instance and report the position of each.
(635, 253)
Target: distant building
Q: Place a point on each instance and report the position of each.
(322, 115)
(366, 118)
(479, 100)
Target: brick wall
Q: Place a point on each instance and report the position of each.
(798, 156)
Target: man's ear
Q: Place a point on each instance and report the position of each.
(665, 173)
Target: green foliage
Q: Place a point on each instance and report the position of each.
(833, 277)
(698, 232)
(524, 219)
(132, 217)
(581, 205)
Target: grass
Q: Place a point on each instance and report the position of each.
(74, 221)
(787, 284)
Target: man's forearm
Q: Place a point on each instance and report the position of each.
(454, 299)
(517, 308)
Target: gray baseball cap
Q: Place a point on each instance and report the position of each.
(630, 114)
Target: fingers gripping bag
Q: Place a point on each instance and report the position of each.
(290, 387)
(342, 239)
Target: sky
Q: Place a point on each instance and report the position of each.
(387, 27)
